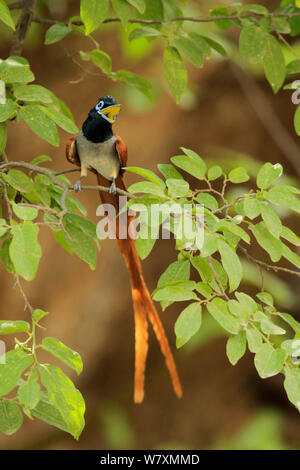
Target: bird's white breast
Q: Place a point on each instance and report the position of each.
(101, 156)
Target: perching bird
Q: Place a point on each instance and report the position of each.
(98, 149)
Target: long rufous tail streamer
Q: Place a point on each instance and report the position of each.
(144, 308)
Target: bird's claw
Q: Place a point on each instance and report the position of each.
(77, 186)
(113, 188)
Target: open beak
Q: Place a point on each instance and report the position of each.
(111, 112)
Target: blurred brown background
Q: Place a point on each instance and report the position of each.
(222, 406)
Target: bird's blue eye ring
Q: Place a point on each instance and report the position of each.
(99, 105)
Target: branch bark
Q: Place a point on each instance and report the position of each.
(23, 25)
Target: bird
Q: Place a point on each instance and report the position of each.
(98, 149)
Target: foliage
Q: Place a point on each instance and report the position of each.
(34, 195)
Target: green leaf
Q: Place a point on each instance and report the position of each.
(40, 123)
(38, 314)
(297, 120)
(65, 354)
(251, 207)
(267, 174)
(16, 72)
(60, 119)
(65, 397)
(292, 386)
(207, 200)
(18, 180)
(231, 227)
(131, 79)
(169, 171)
(25, 213)
(40, 159)
(291, 321)
(48, 413)
(231, 264)
(274, 64)
(4, 253)
(267, 241)
(3, 137)
(56, 33)
(269, 328)
(122, 10)
(80, 243)
(247, 302)
(215, 45)
(254, 8)
(17, 361)
(148, 174)
(293, 67)
(269, 361)
(140, 5)
(271, 219)
(100, 59)
(266, 298)
(236, 347)
(13, 326)
(5, 15)
(292, 257)
(144, 245)
(290, 236)
(283, 196)
(214, 172)
(176, 271)
(203, 268)
(253, 44)
(188, 323)
(190, 165)
(25, 251)
(11, 418)
(176, 292)
(177, 187)
(33, 93)
(219, 310)
(88, 227)
(7, 110)
(93, 13)
(29, 393)
(146, 187)
(143, 32)
(189, 49)
(221, 11)
(238, 175)
(175, 72)
(254, 339)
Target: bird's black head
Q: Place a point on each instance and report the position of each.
(98, 126)
(107, 108)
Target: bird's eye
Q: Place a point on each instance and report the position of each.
(100, 105)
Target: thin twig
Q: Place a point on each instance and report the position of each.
(204, 19)
(268, 266)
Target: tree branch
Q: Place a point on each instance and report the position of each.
(268, 266)
(28, 7)
(204, 19)
(58, 182)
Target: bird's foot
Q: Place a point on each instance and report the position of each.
(113, 188)
(77, 186)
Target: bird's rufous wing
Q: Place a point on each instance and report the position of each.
(121, 148)
(71, 151)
